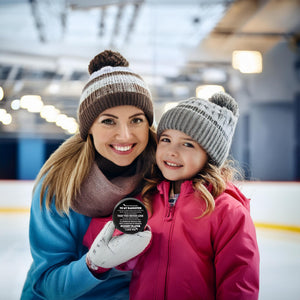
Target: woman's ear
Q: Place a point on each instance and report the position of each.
(90, 131)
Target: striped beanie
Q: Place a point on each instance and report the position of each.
(111, 84)
(210, 122)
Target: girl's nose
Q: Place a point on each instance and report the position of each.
(172, 150)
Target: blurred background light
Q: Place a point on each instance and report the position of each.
(247, 61)
(169, 105)
(15, 104)
(5, 118)
(207, 90)
(33, 103)
(1, 93)
(49, 113)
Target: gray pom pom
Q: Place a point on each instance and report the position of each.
(224, 100)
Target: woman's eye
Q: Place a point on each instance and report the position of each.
(108, 122)
(137, 120)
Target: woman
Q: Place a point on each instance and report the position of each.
(85, 177)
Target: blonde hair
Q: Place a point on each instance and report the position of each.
(210, 175)
(65, 171)
(68, 166)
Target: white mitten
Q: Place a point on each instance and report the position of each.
(108, 251)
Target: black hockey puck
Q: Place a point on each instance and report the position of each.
(130, 215)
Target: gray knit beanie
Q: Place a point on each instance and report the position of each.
(111, 84)
(210, 122)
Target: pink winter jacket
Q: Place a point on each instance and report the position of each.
(190, 258)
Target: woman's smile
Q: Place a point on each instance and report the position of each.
(123, 149)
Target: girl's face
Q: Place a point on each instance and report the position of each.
(178, 156)
(121, 134)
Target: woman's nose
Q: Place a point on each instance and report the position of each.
(124, 132)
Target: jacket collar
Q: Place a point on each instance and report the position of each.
(186, 187)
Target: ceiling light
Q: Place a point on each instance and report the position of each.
(15, 104)
(207, 90)
(49, 113)
(1, 93)
(67, 123)
(33, 103)
(247, 61)
(2, 113)
(5, 117)
(61, 119)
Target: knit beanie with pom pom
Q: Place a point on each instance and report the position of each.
(210, 122)
(111, 84)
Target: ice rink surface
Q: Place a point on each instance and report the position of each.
(279, 251)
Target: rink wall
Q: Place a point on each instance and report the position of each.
(273, 204)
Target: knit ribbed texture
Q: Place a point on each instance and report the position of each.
(110, 87)
(99, 195)
(208, 123)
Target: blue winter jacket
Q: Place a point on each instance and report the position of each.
(59, 270)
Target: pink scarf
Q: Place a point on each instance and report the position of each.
(98, 195)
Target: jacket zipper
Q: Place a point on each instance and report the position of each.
(170, 213)
(169, 218)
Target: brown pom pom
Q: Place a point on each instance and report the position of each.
(107, 58)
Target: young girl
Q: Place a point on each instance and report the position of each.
(85, 177)
(203, 238)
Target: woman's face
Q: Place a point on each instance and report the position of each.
(178, 156)
(121, 134)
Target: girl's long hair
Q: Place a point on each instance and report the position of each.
(210, 175)
(67, 168)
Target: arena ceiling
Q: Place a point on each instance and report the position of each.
(46, 45)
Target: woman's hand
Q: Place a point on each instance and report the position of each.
(108, 251)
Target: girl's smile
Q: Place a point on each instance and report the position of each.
(172, 165)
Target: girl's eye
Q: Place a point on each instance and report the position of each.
(189, 145)
(108, 122)
(165, 140)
